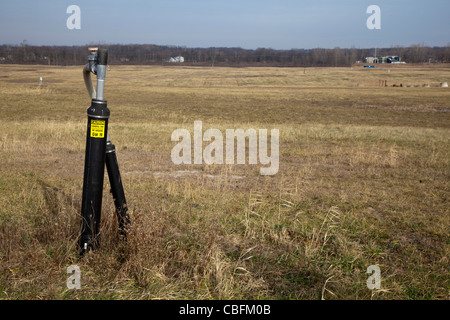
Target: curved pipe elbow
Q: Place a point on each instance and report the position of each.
(88, 81)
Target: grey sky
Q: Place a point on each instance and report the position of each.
(280, 24)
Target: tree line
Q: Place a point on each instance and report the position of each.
(149, 54)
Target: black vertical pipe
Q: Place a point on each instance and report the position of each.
(117, 189)
(94, 170)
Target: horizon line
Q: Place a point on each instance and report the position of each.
(222, 47)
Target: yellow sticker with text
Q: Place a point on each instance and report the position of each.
(97, 128)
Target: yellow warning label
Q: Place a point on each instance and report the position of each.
(97, 128)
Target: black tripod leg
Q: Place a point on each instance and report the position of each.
(117, 189)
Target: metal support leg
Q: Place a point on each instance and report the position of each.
(117, 189)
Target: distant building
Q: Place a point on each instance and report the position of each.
(178, 59)
(371, 60)
(385, 59)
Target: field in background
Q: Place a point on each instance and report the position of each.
(363, 180)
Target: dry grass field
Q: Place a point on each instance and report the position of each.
(363, 180)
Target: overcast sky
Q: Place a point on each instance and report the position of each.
(278, 24)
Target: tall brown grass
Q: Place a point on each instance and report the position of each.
(363, 180)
